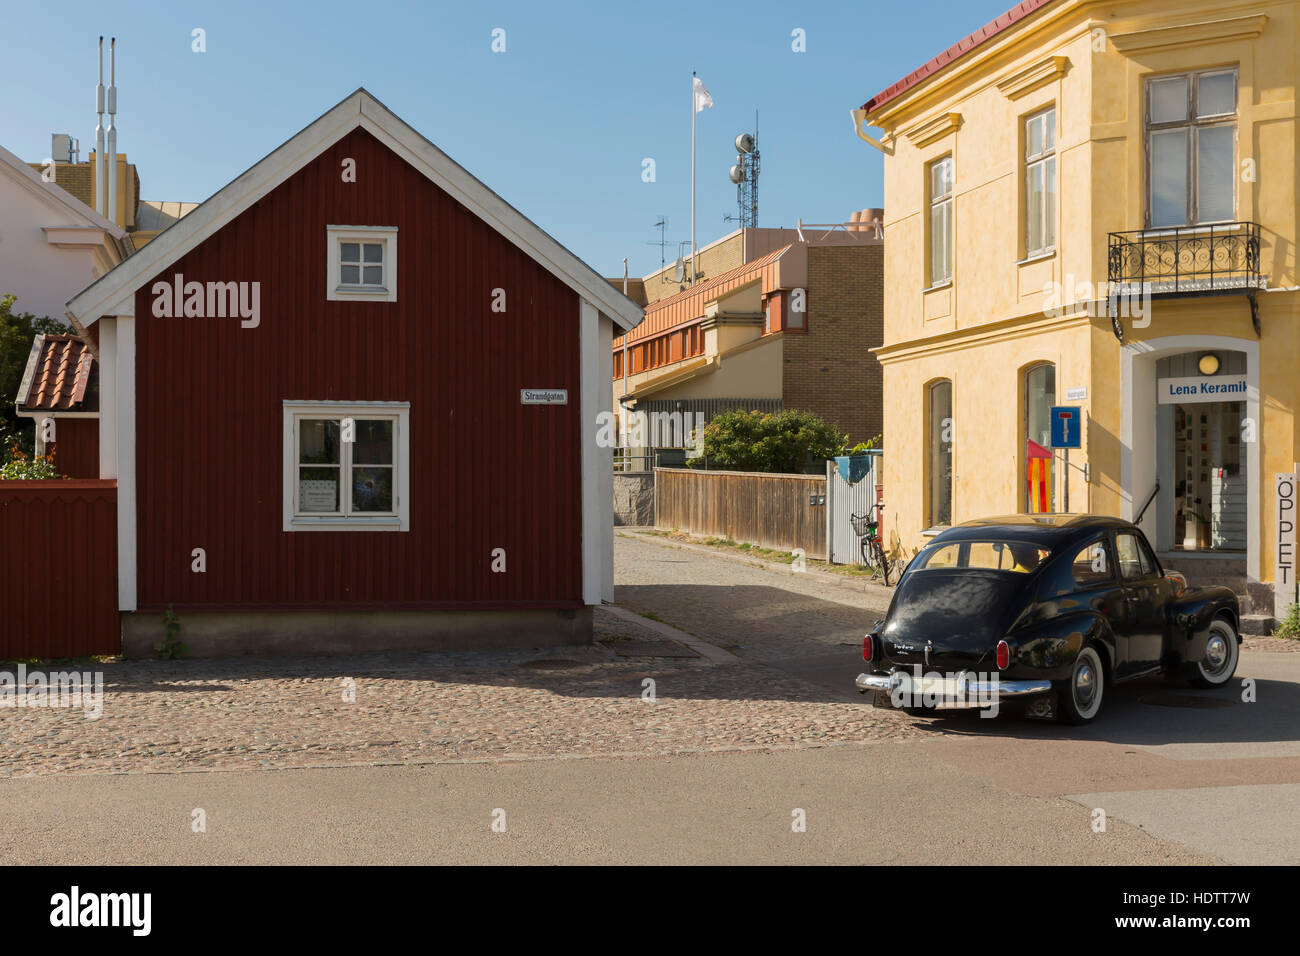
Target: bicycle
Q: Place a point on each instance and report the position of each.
(873, 549)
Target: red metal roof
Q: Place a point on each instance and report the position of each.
(689, 302)
(954, 52)
(60, 376)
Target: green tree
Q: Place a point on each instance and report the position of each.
(787, 442)
(17, 330)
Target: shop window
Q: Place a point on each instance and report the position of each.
(939, 444)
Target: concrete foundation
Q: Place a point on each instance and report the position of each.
(300, 633)
(634, 499)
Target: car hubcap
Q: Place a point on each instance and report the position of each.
(1216, 653)
(1085, 684)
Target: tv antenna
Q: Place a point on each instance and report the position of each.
(661, 242)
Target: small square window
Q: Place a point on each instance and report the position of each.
(362, 263)
(346, 466)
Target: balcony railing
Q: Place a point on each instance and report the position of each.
(1186, 260)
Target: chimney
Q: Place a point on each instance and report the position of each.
(100, 168)
(111, 214)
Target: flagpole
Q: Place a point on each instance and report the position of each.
(693, 113)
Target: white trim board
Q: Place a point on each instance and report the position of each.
(358, 110)
(1138, 388)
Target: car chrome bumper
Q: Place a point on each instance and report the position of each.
(956, 692)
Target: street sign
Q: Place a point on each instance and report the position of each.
(1067, 426)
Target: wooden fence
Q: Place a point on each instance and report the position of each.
(58, 569)
(773, 511)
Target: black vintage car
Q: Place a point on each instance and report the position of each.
(1051, 610)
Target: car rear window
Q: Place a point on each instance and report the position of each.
(994, 555)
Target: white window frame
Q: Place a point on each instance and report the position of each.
(1192, 125)
(1045, 158)
(937, 201)
(335, 290)
(399, 519)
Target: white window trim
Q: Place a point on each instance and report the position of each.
(401, 520)
(1044, 158)
(335, 290)
(948, 199)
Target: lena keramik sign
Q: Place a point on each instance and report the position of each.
(1201, 388)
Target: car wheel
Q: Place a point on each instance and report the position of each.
(1081, 696)
(1221, 653)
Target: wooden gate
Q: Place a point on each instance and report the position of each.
(58, 569)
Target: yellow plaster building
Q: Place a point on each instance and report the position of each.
(1092, 203)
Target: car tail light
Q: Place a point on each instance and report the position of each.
(868, 648)
(1004, 655)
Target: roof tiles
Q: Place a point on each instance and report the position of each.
(61, 375)
(955, 52)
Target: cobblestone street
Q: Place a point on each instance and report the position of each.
(433, 708)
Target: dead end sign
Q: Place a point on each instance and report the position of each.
(1067, 426)
(543, 396)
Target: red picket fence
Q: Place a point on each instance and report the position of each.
(58, 569)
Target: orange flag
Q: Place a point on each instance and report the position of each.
(1040, 477)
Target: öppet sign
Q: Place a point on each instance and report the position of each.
(1284, 593)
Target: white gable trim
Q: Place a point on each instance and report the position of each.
(359, 109)
(58, 197)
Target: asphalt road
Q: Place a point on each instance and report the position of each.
(882, 803)
(1182, 776)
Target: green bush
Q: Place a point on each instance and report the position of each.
(17, 330)
(785, 442)
(1289, 626)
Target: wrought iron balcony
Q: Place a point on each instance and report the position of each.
(1182, 261)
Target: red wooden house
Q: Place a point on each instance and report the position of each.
(352, 402)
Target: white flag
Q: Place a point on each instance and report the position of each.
(703, 101)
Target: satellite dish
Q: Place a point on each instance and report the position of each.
(744, 143)
(680, 271)
(737, 175)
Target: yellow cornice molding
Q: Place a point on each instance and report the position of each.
(933, 130)
(1189, 34)
(1033, 77)
(988, 333)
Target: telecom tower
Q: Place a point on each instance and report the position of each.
(745, 175)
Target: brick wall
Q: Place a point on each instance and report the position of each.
(828, 368)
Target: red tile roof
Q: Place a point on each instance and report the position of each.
(954, 52)
(60, 375)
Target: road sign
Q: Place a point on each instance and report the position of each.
(1067, 426)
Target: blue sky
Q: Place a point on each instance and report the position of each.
(558, 124)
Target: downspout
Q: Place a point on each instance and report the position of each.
(859, 120)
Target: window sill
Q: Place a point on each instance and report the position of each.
(357, 293)
(335, 523)
(1037, 257)
(945, 284)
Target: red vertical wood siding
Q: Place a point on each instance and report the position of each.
(76, 453)
(485, 473)
(58, 569)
